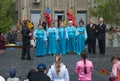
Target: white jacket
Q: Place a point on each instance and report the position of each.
(63, 75)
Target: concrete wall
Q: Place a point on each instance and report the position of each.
(27, 5)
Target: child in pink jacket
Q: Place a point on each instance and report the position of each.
(84, 68)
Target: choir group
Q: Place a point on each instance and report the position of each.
(60, 40)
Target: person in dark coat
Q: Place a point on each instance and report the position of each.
(40, 75)
(2, 44)
(101, 29)
(91, 40)
(11, 37)
(44, 25)
(26, 41)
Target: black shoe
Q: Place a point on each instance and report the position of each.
(30, 59)
(89, 52)
(94, 53)
(102, 53)
(23, 58)
(52, 55)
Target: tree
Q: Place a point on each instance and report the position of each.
(108, 9)
(7, 11)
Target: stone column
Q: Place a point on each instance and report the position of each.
(28, 9)
(24, 9)
(19, 10)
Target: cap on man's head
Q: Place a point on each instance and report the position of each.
(12, 73)
(41, 67)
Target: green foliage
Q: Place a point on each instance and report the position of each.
(108, 9)
(7, 11)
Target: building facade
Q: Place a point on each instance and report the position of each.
(33, 9)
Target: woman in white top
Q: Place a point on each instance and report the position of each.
(58, 71)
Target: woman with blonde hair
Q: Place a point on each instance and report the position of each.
(58, 71)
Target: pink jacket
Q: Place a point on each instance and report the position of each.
(79, 69)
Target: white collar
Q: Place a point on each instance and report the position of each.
(101, 24)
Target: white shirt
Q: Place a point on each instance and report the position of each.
(63, 75)
(13, 79)
(101, 24)
(1, 78)
(91, 25)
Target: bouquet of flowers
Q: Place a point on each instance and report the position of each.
(103, 71)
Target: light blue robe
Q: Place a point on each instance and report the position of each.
(81, 36)
(62, 40)
(71, 30)
(40, 36)
(52, 34)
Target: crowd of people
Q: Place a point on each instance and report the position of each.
(59, 41)
(63, 40)
(58, 71)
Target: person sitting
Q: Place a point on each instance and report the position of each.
(13, 76)
(31, 72)
(40, 75)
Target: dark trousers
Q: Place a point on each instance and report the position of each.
(101, 43)
(91, 45)
(26, 50)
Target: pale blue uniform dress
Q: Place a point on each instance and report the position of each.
(52, 34)
(62, 40)
(81, 37)
(40, 36)
(63, 75)
(71, 30)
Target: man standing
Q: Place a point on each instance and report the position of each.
(26, 41)
(101, 29)
(91, 40)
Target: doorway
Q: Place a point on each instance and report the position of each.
(82, 15)
(58, 16)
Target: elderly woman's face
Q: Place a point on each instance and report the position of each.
(70, 24)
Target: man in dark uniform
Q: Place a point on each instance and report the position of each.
(101, 29)
(40, 75)
(26, 41)
(91, 40)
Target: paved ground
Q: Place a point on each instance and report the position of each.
(12, 60)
